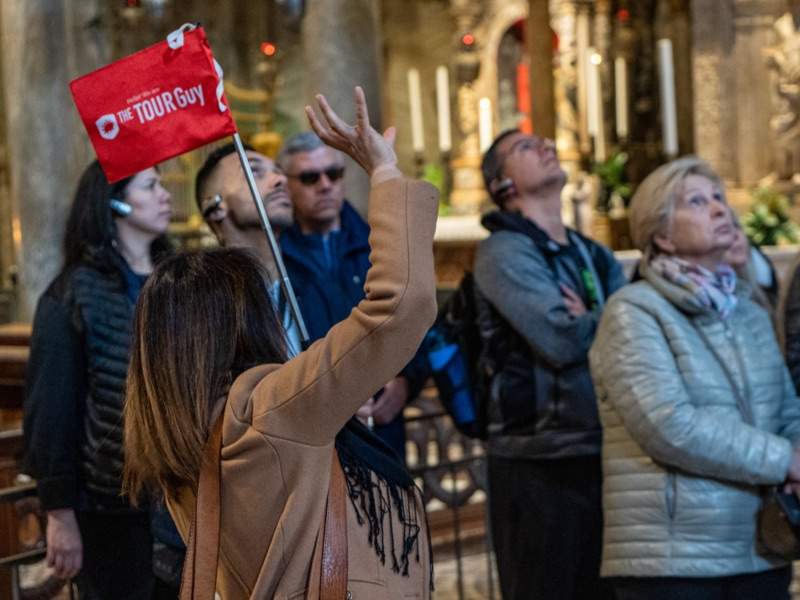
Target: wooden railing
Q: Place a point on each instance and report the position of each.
(448, 467)
(21, 524)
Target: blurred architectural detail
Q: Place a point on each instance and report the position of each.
(734, 87)
(783, 60)
(568, 128)
(341, 49)
(44, 45)
(468, 191)
(516, 55)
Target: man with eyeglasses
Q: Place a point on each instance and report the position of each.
(327, 257)
(548, 285)
(227, 206)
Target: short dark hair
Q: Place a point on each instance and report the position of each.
(210, 164)
(492, 163)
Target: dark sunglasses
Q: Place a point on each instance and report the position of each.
(312, 177)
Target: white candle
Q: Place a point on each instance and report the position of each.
(443, 108)
(415, 106)
(484, 124)
(592, 91)
(621, 96)
(669, 113)
(597, 128)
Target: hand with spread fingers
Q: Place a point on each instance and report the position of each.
(361, 142)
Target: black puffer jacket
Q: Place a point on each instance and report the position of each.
(76, 388)
(543, 403)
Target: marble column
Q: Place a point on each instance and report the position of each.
(714, 77)
(45, 44)
(341, 46)
(753, 23)
(540, 49)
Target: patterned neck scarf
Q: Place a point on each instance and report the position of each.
(713, 290)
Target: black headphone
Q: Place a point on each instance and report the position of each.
(502, 190)
(209, 205)
(120, 208)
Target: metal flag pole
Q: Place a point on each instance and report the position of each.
(286, 285)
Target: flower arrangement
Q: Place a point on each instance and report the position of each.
(614, 181)
(768, 223)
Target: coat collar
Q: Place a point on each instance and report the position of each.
(354, 233)
(502, 220)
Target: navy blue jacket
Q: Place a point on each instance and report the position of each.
(327, 297)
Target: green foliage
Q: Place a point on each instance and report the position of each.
(614, 179)
(434, 174)
(768, 222)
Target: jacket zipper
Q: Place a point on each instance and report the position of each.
(671, 496)
(746, 409)
(741, 396)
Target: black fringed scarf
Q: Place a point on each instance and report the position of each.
(362, 453)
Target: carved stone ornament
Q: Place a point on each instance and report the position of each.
(783, 61)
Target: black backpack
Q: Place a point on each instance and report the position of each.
(465, 349)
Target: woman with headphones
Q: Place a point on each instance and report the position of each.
(76, 384)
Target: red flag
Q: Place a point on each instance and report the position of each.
(150, 106)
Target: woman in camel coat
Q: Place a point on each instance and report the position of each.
(207, 365)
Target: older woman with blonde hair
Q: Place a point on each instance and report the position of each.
(696, 405)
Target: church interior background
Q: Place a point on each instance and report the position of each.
(621, 85)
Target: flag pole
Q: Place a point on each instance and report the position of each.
(286, 285)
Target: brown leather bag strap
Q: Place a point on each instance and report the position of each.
(199, 578)
(333, 576)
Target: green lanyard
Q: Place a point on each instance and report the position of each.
(589, 275)
(591, 287)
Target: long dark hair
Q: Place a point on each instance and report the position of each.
(202, 319)
(90, 234)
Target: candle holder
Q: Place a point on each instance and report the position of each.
(419, 164)
(669, 157)
(447, 175)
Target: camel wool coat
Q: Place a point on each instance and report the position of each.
(279, 424)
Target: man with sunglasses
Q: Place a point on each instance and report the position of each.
(327, 257)
(548, 284)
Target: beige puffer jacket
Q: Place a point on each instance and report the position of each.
(681, 467)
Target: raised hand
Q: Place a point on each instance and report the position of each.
(360, 142)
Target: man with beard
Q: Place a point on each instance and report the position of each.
(227, 206)
(327, 257)
(548, 285)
